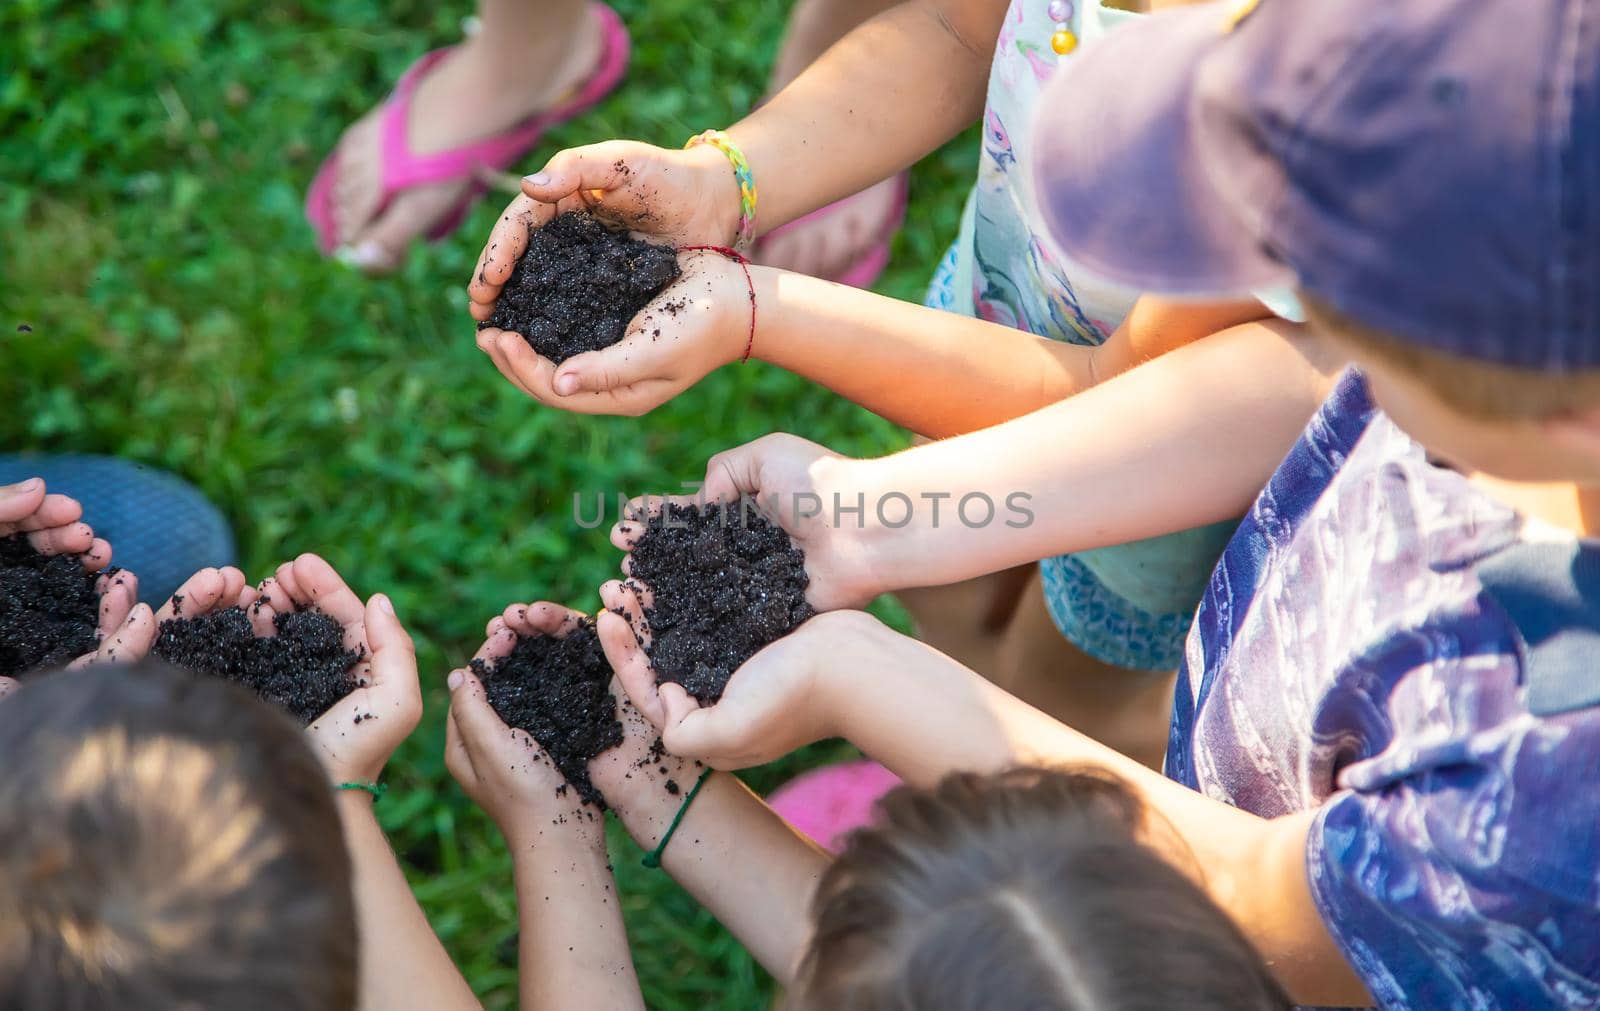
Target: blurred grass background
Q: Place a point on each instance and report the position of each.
(153, 156)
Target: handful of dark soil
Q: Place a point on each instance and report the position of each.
(305, 668)
(578, 284)
(726, 581)
(558, 690)
(49, 610)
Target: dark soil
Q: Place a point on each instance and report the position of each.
(305, 668)
(726, 581)
(49, 610)
(578, 284)
(559, 691)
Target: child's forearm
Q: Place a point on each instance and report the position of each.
(1176, 443)
(752, 871)
(401, 960)
(573, 946)
(842, 124)
(923, 715)
(936, 373)
(942, 374)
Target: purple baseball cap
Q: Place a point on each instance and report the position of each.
(1429, 168)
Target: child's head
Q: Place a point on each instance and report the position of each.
(1027, 889)
(1425, 173)
(166, 842)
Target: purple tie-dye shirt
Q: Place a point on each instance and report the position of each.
(1350, 654)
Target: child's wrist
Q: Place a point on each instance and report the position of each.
(722, 207)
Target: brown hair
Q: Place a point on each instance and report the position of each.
(166, 842)
(1475, 388)
(1026, 889)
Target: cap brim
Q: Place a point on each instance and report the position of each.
(1121, 172)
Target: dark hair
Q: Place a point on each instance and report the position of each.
(1029, 889)
(166, 841)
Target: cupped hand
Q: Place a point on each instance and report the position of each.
(503, 768)
(52, 524)
(683, 198)
(772, 705)
(699, 323)
(355, 738)
(800, 486)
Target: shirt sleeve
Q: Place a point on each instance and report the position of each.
(1457, 870)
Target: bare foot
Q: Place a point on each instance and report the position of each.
(474, 94)
(831, 243)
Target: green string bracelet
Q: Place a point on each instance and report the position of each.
(652, 859)
(376, 789)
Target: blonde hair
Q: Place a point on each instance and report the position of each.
(1478, 389)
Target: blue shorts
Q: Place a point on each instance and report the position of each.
(1130, 604)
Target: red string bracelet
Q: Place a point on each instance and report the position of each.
(744, 264)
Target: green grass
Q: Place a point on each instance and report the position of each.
(153, 155)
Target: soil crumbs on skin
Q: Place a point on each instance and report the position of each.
(578, 284)
(559, 691)
(49, 610)
(304, 668)
(726, 581)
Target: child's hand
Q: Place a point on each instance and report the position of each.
(51, 524)
(773, 705)
(355, 738)
(664, 351)
(504, 769)
(685, 198)
(796, 482)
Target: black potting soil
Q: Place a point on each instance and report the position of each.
(559, 691)
(726, 581)
(578, 284)
(49, 610)
(305, 667)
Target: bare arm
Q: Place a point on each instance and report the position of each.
(572, 946)
(402, 961)
(942, 374)
(924, 715)
(730, 851)
(842, 125)
(1175, 443)
(948, 718)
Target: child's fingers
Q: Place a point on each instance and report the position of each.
(393, 662)
(275, 596)
(711, 735)
(263, 617)
(637, 513)
(233, 584)
(479, 724)
(198, 594)
(98, 556)
(284, 577)
(52, 511)
(322, 588)
(500, 642)
(118, 593)
(72, 539)
(132, 640)
(508, 240)
(575, 171)
(530, 371)
(19, 501)
(631, 666)
(553, 619)
(627, 600)
(456, 757)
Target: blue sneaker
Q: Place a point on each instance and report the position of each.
(161, 528)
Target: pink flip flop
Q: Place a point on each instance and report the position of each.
(869, 266)
(403, 169)
(829, 803)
